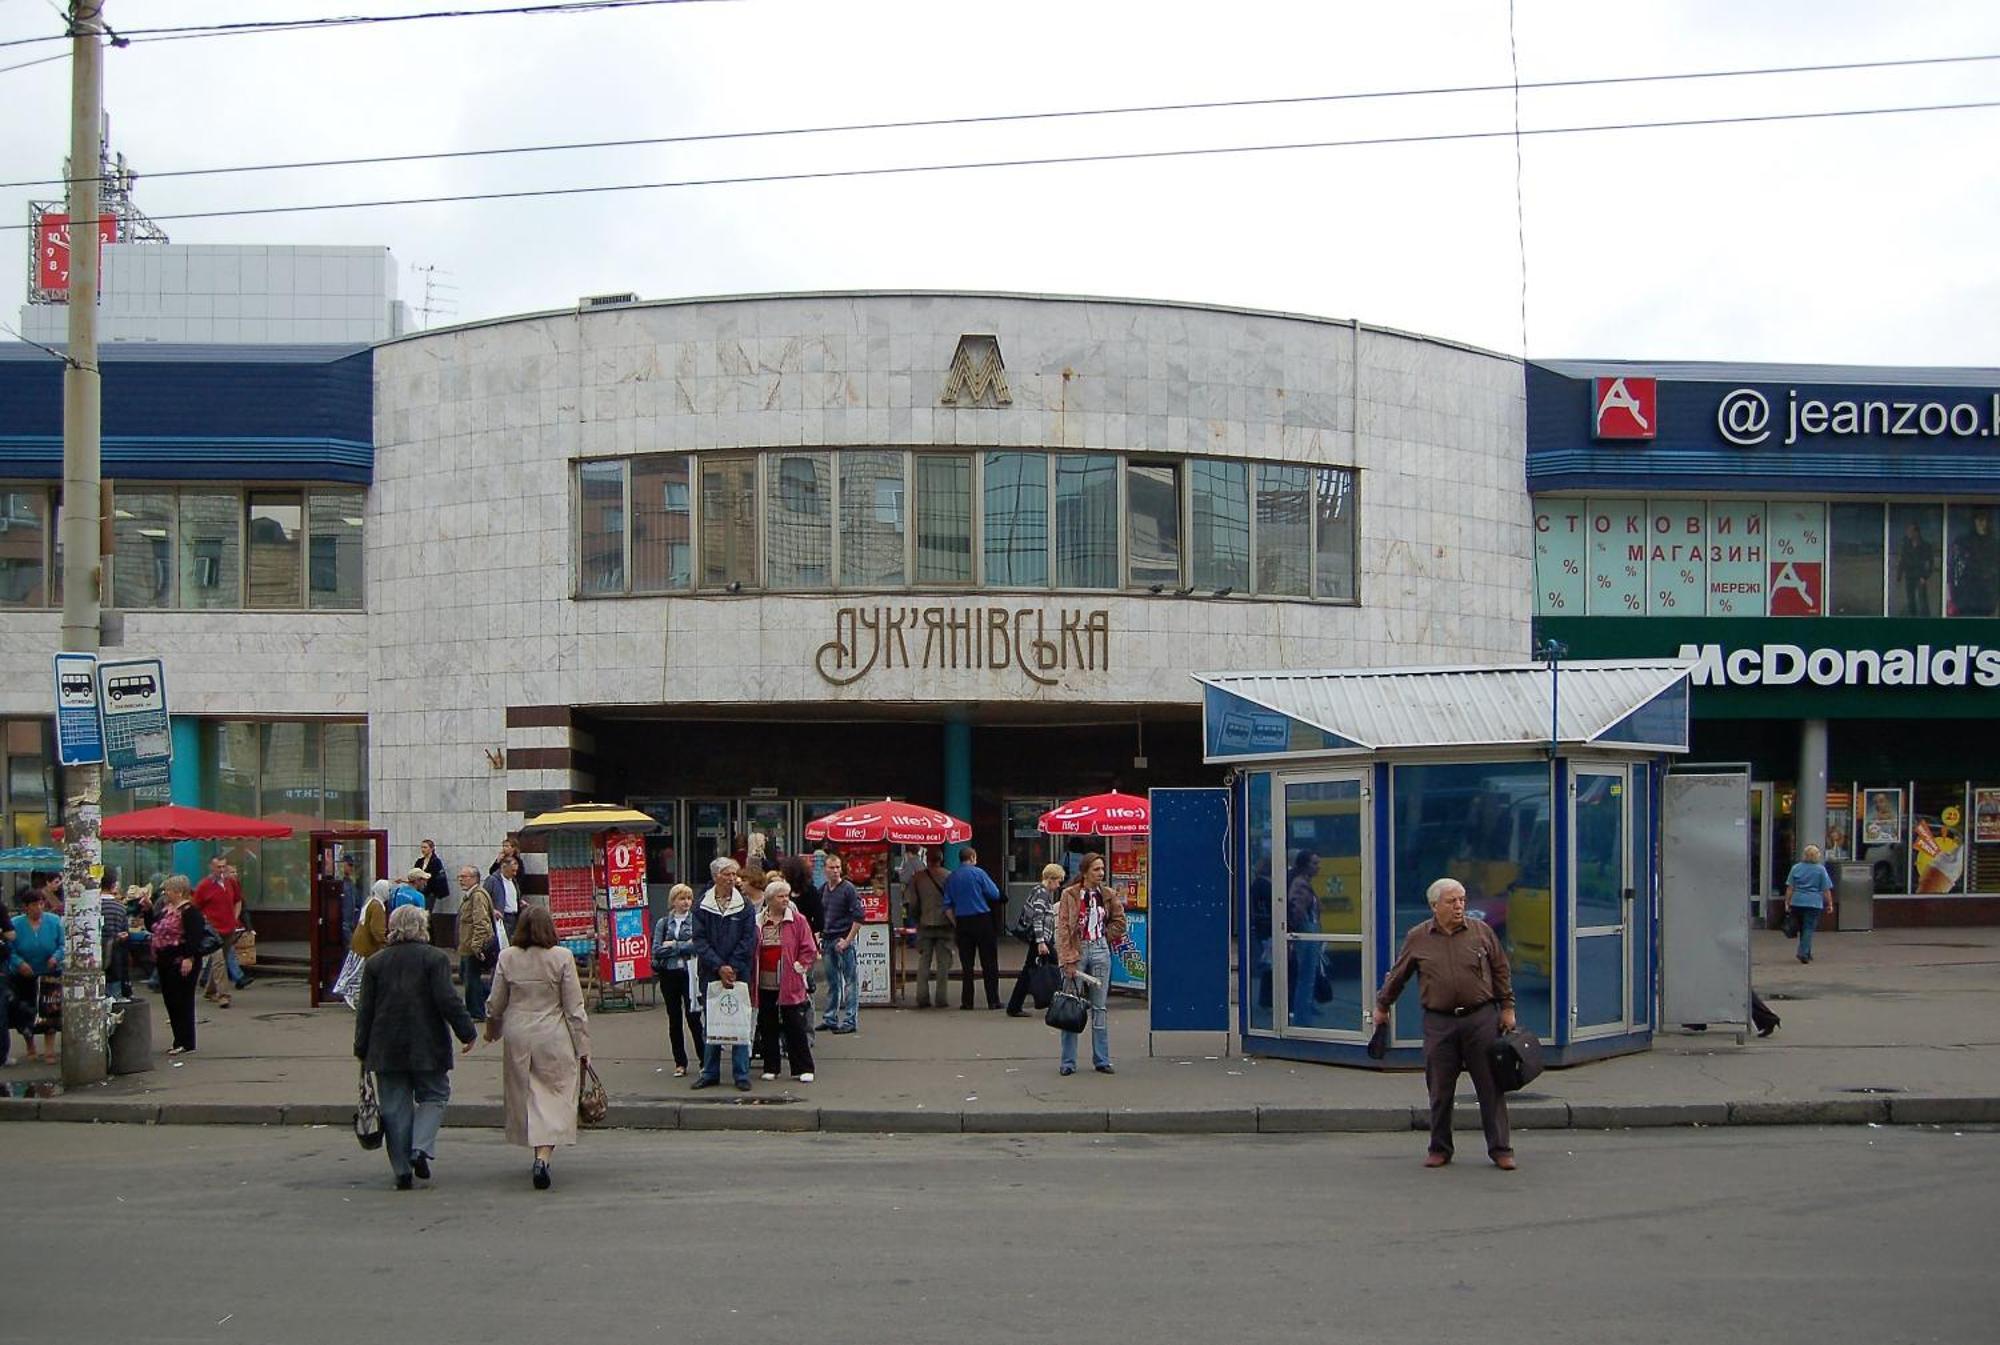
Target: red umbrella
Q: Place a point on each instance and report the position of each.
(895, 823)
(173, 822)
(1112, 814)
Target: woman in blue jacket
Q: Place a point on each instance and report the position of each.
(37, 952)
(725, 949)
(1809, 889)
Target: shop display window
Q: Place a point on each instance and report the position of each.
(1973, 561)
(1258, 956)
(1916, 571)
(1219, 535)
(1014, 520)
(1856, 560)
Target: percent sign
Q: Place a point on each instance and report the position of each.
(1690, 577)
(1570, 566)
(1666, 597)
(1632, 601)
(1555, 599)
(1604, 581)
(1783, 546)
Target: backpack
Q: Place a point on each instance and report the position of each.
(167, 928)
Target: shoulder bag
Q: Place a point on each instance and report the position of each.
(368, 1113)
(592, 1102)
(1068, 1011)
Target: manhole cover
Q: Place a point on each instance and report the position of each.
(283, 1014)
(1870, 1088)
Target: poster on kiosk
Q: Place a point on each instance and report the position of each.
(624, 953)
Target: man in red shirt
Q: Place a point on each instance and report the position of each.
(219, 897)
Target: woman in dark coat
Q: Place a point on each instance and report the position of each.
(436, 886)
(402, 1034)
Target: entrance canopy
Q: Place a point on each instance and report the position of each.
(1587, 703)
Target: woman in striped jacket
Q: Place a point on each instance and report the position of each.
(1041, 917)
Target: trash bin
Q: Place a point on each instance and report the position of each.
(132, 1039)
(1854, 895)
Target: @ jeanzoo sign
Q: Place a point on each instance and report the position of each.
(1786, 665)
(1042, 646)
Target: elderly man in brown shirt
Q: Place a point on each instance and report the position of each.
(1468, 995)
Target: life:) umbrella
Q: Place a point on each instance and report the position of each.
(1112, 814)
(891, 822)
(174, 822)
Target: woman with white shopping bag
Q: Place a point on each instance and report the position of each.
(371, 931)
(536, 1008)
(725, 949)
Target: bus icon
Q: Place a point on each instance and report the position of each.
(140, 685)
(77, 689)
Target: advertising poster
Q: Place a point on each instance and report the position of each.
(1986, 815)
(624, 869)
(1617, 557)
(1736, 558)
(868, 869)
(871, 962)
(1560, 553)
(1939, 850)
(1881, 816)
(1128, 960)
(1677, 560)
(628, 956)
(1797, 559)
(1838, 832)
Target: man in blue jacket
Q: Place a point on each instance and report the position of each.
(843, 926)
(974, 899)
(725, 949)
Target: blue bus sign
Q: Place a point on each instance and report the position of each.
(79, 732)
(138, 742)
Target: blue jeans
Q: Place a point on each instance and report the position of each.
(739, 1063)
(223, 961)
(843, 984)
(1097, 963)
(412, 1103)
(475, 985)
(1808, 922)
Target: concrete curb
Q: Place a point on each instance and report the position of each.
(1241, 1120)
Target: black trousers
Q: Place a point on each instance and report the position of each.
(1455, 1043)
(978, 934)
(1028, 964)
(674, 990)
(177, 989)
(773, 1018)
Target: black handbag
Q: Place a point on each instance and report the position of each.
(1516, 1058)
(368, 1113)
(1791, 923)
(1044, 979)
(1068, 1011)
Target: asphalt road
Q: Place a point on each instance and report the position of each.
(127, 1233)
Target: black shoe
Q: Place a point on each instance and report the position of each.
(706, 1083)
(1067, 1070)
(541, 1175)
(1769, 1027)
(1017, 1013)
(742, 1085)
(421, 1165)
(1106, 1069)
(404, 1181)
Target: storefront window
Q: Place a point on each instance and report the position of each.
(1973, 561)
(871, 519)
(346, 788)
(334, 550)
(729, 522)
(1915, 587)
(1334, 534)
(142, 567)
(1153, 524)
(1219, 539)
(944, 518)
(1086, 521)
(275, 527)
(1015, 519)
(290, 784)
(1939, 836)
(24, 547)
(1284, 530)
(1258, 956)
(1857, 555)
(601, 495)
(662, 536)
(1488, 827)
(800, 540)
(211, 525)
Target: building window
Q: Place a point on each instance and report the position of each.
(27, 796)
(142, 561)
(1916, 577)
(211, 525)
(1333, 528)
(274, 525)
(24, 547)
(334, 550)
(1153, 524)
(1219, 536)
(729, 522)
(662, 526)
(799, 544)
(1014, 519)
(944, 518)
(1973, 561)
(1284, 530)
(1086, 520)
(601, 496)
(1854, 585)
(871, 519)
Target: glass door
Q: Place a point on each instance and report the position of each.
(711, 833)
(1601, 899)
(767, 832)
(1320, 908)
(1028, 850)
(1760, 849)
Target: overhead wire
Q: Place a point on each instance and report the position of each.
(1127, 156)
(251, 27)
(1002, 118)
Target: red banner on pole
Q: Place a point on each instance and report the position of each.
(52, 250)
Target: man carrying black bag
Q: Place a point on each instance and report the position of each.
(1467, 990)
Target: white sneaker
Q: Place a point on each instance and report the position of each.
(805, 1078)
(769, 1077)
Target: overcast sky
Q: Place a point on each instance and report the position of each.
(1865, 240)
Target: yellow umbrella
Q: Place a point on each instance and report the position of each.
(592, 817)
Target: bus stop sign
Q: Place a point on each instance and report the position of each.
(79, 732)
(138, 743)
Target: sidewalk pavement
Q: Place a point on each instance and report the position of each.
(1896, 1026)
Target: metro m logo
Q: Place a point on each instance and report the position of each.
(976, 377)
(1624, 408)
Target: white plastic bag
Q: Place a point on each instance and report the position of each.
(727, 1014)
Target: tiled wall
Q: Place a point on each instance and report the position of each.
(279, 295)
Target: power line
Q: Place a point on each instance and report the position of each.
(39, 60)
(1128, 156)
(1520, 194)
(932, 123)
(184, 32)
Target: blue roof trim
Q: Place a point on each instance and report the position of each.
(191, 458)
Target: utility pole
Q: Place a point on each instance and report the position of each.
(84, 1020)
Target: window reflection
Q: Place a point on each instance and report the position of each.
(1086, 521)
(1915, 534)
(662, 537)
(871, 519)
(1153, 523)
(142, 567)
(601, 488)
(1284, 529)
(24, 547)
(1015, 521)
(1219, 542)
(944, 519)
(1974, 561)
(801, 521)
(275, 525)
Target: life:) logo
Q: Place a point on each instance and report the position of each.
(1624, 408)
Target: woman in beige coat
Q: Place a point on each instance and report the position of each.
(536, 1008)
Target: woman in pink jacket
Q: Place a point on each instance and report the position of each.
(785, 949)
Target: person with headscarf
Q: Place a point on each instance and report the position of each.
(409, 1012)
(371, 931)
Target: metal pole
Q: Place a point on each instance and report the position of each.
(85, 1035)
